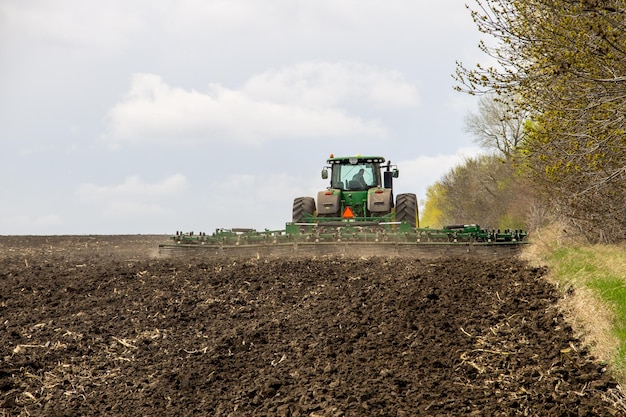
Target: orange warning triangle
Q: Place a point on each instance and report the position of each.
(347, 213)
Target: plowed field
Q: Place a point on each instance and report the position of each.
(100, 326)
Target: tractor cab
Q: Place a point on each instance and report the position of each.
(360, 184)
(357, 177)
(359, 173)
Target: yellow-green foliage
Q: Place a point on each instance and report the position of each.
(485, 190)
(564, 63)
(433, 215)
(512, 221)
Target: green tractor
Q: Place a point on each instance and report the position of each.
(360, 190)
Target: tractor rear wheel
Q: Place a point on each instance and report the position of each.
(406, 209)
(302, 206)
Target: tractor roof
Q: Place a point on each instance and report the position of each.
(356, 159)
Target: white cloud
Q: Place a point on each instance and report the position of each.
(419, 173)
(193, 15)
(104, 24)
(294, 76)
(30, 224)
(37, 148)
(134, 198)
(113, 20)
(257, 201)
(132, 209)
(303, 101)
(267, 188)
(320, 17)
(324, 84)
(133, 188)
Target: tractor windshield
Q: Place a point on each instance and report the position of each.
(356, 177)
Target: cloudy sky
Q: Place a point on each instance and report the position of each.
(151, 116)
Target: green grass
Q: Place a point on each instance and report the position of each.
(602, 270)
(612, 290)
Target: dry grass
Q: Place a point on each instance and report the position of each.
(592, 279)
(591, 319)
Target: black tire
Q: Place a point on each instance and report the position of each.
(406, 209)
(301, 207)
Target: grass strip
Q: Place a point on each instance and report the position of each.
(600, 269)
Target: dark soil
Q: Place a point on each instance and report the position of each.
(100, 326)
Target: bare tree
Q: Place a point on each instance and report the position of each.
(487, 191)
(498, 125)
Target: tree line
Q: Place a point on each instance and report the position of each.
(552, 112)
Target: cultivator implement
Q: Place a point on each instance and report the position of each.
(355, 215)
(336, 236)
